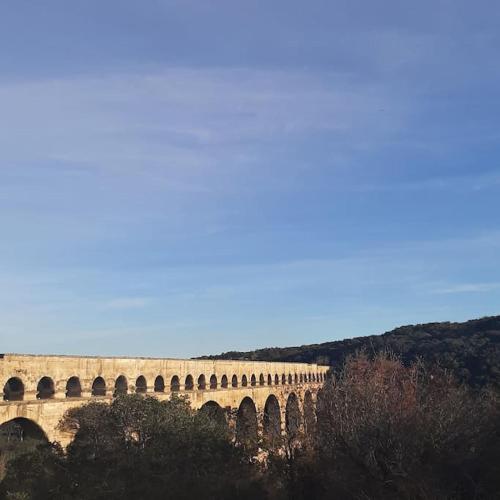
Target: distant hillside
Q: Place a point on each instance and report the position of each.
(470, 349)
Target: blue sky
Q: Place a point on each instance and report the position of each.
(180, 178)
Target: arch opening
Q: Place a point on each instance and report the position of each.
(244, 381)
(141, 386)
(269, 380)
(21, 429)
(309, 414)
(224, 382)
(189, 383)
(283, 379)
(214, 411)
(213, 382)
(159, 385)
(320, 408)
(45, 388)
(272, 423)
(262, 380)
(73, 388)
(234, 381)
(296, 379)
(121, 386)
(246, 425)
(13, 390)
(276, 379)
(98, 387)
(292, 417)
(202, 383)
(175, 384)
(290, 380)
(253, 380)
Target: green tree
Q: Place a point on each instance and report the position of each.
(139, 448)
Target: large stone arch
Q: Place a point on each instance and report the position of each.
(293, 417)
(19, 435)
(21, 429)
(246, 425)
(272, 423)
(214, 411)
(320, 408)
(309, 414)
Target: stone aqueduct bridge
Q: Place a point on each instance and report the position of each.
(39, 389)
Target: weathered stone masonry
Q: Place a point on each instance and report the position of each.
(41, 388)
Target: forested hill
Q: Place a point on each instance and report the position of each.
(470, 349)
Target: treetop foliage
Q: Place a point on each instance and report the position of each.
(135, 448)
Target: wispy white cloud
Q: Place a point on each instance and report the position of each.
(468, 288)
(182, 121)
(471, 181)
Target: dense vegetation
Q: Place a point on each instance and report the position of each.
(382, 430)
(392, 432)
(135, 448)
(471, 350)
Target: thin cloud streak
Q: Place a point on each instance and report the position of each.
(187, 119)
(468, 288)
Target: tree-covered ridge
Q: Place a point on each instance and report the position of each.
(471, 349)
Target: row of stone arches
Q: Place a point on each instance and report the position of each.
(296, 421)
(213, 383)
(14, 387)
(246, 428)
